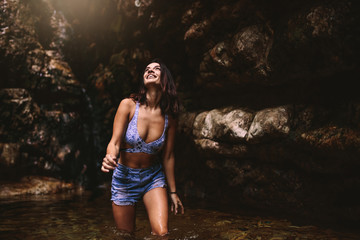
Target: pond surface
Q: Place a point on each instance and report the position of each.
(88, 216)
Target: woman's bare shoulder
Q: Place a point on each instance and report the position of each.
(126, 105)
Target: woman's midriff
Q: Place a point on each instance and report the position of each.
(137, 160)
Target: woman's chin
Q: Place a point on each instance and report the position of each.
(150, 83)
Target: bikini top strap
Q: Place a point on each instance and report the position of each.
(166, 122)
(135, 117)
(137, 107)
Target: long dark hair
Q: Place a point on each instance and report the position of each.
(169, 102)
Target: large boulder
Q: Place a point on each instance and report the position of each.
(270, 122)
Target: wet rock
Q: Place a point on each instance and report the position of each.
(61, 29)
(224, 124)
(223, 149)
(270, 123)
(9, 154)
(333, 137)
(186, 122)
(132, 59)
(61, 140)
(222, 223)
(197, 30)
(52, 79)
(33, 185)
(239, 59)
(18, 113)
(251, 47)
(127, 7)
(327, 19)
(192, 13)
(220, 55)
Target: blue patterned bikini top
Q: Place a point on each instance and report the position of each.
(133, 138)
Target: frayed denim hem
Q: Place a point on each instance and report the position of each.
(163, 185)
(123, 203)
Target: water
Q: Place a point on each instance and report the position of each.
(90, 217)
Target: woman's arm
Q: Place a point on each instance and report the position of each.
(169, 166)
(120, 123)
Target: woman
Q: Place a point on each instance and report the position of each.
(144, 127)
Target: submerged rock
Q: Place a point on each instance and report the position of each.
(33, 185)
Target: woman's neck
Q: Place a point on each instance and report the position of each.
(153, 97)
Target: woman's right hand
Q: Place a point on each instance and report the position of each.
(108, 163)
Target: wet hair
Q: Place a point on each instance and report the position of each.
(169, 102)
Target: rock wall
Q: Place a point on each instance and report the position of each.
(43, 128)
(276, 158)
(257, 54)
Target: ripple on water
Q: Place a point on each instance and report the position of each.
(85, 217)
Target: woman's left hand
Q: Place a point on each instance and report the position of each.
(176, 205)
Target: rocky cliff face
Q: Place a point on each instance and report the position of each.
(269, 91)
(43, 105)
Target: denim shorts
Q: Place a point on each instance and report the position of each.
(129, 185)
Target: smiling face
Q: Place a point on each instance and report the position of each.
(152, 74)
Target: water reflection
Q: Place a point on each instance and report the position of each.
(90, 217)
